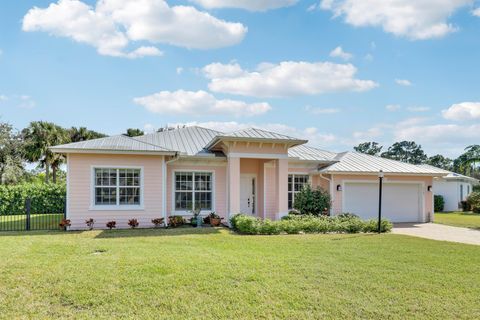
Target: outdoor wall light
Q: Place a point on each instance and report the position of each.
(339, 187)
(429, 188)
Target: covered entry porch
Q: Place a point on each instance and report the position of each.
(257, 186)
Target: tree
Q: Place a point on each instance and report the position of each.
(371, 148)
(132, 132)
(467, 163)
(406, 151)
(83, 134)
(39, 136)
(441, 162)
(11, 161)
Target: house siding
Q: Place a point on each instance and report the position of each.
(80, 190)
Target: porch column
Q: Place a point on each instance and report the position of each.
(281, 169)
(233, 172)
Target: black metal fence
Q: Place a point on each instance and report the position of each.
(33, 214)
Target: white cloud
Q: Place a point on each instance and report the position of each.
(418, 109)
(440, 134)
(476, 12)
(288, 78)
(314, 136)
(317, 111)
(112, 25)
(148, 128)
(414, 19)
(339, 53)
(25, 102)
(3, 98)
(312, 7)
(463, 111)
(179, 70)
(370, 134)
(393, 107)
(198, 103)
(251, 5)
(403, 82)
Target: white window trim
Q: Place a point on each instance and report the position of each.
(293, 174)
(186, 212)
(117, 207)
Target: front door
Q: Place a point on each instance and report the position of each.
(247, 194)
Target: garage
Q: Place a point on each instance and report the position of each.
(401, 202)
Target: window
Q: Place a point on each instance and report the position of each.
(296, 182)
(117, 187)
(468, 189)
(461, 192)
(193, 190)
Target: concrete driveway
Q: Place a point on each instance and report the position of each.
(440, 232)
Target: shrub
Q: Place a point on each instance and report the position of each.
(111, 224)
(45, 198)
(465, 206)
(90, 222)
(473, 201)
(233, 220)
(312, 201)
(372, 226)
(438, 203)
(176, 221)
(346, 223)
(133, 223)
(158, 222)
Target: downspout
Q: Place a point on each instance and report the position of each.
(332, 194)
(164, 185)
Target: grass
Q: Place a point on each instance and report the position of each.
(459, 219)
(215, 274)
(44, 221)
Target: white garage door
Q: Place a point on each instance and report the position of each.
(401, 202)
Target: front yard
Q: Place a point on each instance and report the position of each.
(212, 273)
(459, 219)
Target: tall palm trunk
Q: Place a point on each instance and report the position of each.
(47, 169)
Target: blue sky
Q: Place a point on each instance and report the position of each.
(337, 72)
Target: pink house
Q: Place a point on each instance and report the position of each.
(252, 171)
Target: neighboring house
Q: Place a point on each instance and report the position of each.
(454, 188)
(251, 171)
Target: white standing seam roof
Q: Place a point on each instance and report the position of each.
(307, 153)
(451, 175)
(189, 141)
(355, 162)
(113, 143)
(195, 141)
(255, 134)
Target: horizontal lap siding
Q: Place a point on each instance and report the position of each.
(80, 175)
(270, 193)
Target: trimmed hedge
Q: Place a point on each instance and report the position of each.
(438, 203)
(45, 198)
(293, 224)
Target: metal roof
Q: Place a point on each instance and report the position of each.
(355, 162)
(118, 143)
(308, 153)
(188, 141)
(255, 134)
(451, 175)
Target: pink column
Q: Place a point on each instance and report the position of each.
(281, 168)
(233, 186)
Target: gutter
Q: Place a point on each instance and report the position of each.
(164, 185)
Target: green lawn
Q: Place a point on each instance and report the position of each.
(459, 219)
(44, 221)
(214, 274)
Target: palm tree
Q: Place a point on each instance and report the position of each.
(470, 158)
(39, 136)
(83, 134)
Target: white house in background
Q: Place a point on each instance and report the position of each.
(454, 188)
